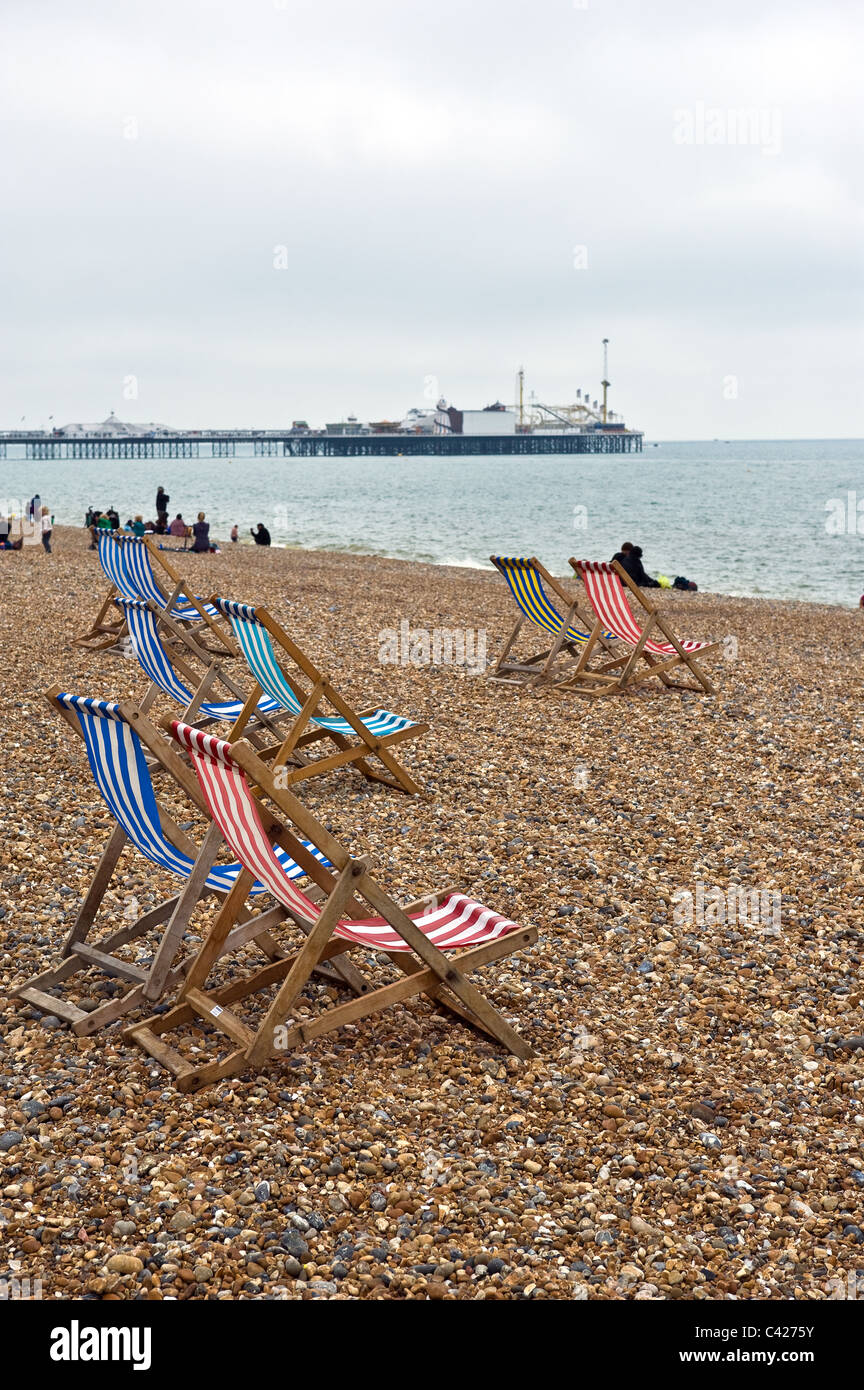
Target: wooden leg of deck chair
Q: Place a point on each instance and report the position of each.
(572, 678)
(445, 969)
(175, 931)
(424, 980)
(546, 674)
(305, 959)
(517, 627)
(99, 628)
(96, 892)
(209, 950)
(117, 1008)
(628, 670)
(74, 963)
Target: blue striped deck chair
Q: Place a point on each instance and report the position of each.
(375, 729)
(530, 583)
(121, 746)
(162, 670)
(127, 562)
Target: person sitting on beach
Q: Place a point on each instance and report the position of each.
(622, 553)
(260, 535)
(632, 563)
(113, 518)
(105, 523)
(138, 527)
(201, 532)
(178, 527)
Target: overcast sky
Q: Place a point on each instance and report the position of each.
(253, 211)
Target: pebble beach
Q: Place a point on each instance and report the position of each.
(692, 1126)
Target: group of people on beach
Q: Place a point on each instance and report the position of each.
(198, 532)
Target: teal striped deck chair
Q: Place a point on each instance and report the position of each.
(530, 584)
(166, 671)
(124, 749)
(358, 737)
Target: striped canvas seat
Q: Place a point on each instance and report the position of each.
(456, 921)
(257, 647)
(154, 662)
(139, 568)
(526, 586)
(111, 560)
(121, 774)
(609, 601)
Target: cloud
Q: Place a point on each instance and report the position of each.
(428, 171)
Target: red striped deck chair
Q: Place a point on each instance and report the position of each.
(125, 752)
(567, 626)
(607, 585)
(412, 940)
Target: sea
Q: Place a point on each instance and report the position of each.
(781, 518)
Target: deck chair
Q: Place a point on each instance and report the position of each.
(528, 581)
(376, 730)
(165, 670)
(234, 780)
(118, 739)
(127, 562)
(607, 585)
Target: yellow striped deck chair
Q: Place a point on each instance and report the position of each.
(528, 582)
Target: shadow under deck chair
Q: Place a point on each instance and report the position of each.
(528, 582)
(606, 585)
(128, 563)
(413, 939)
(376, 729)
(162, 669)
(115, 736)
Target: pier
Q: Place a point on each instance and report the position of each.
(224, 444)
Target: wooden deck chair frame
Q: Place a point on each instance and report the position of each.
(173, 915)
(305, 731)
(422, 969)
(541, 668)
(624, 672)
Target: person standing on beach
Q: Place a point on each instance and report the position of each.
(162, 500)
(235, 534)
(47, 522)
(260, 535)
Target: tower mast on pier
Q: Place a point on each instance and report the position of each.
(604, 383)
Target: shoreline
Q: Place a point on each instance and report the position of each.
(484, 568)
(690, 1124)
